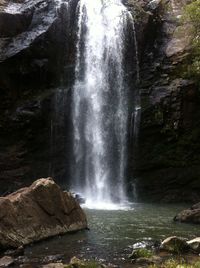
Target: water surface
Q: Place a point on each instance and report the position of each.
(113, 233)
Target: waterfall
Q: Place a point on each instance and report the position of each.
(100, 102)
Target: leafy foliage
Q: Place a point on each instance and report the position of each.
(141, 253)
(192, 14)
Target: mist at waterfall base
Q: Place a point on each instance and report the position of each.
(100, 110)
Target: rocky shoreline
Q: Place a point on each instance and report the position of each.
(172, 252)
(32, 218)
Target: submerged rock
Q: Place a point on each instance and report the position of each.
(54, 265)
(149, 261)
(190, 215)
(37, 212)
(149, 245)
(76, 263)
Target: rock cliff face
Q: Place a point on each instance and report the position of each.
(166, 164)
(36, 53)
(38, 212)
(37, 57)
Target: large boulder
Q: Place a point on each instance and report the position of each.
(190, 215)
(37, 212)
(175, 244)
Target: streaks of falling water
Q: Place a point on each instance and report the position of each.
(100, 105)
(136, 114)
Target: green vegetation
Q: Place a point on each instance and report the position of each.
(192, 16)
(141, 253)
(176, 264)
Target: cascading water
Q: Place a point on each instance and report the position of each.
(100, 103)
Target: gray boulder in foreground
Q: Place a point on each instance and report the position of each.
(38, 212)
(175, 244)
(190, 215)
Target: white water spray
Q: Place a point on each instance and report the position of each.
(100, 106)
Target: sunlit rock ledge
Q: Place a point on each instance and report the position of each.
(37, 212)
